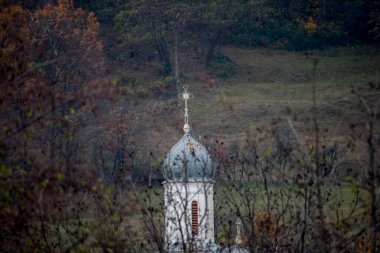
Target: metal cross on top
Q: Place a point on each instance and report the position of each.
(238, 239)
(186, 96)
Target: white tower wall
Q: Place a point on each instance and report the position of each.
(189, 194)
(178, 214)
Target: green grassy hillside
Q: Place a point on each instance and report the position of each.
(259, 86)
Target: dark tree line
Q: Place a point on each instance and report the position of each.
(146, 30)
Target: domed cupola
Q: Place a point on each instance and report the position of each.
(189, 194)
(237, 248)
(234, 249)
(188, 160)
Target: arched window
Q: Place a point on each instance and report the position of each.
(194, 217)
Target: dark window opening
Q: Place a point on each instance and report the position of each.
(194, 217)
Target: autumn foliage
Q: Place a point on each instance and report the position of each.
(48, 59)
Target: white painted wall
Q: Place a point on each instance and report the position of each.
(178, 198)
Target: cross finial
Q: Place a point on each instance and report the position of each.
(186, 96)
(238, 239)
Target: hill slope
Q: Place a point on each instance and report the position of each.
(262, 85)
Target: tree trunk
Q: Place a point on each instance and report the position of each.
(372, 178)
(322, 241)
(211, 48)
(164, 55)
(176, 64)
(53, 131)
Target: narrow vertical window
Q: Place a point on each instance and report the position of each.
(194, 217)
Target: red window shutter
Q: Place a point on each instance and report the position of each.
(194, 217)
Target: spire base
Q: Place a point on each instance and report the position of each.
(186, 128)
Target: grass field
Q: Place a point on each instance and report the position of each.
(271, 80)
(264, 83)
(344, 194)
(122, 218)
(340, 202)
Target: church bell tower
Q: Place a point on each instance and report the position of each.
(189, 194)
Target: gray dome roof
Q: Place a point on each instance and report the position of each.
(188, 160)
(234, 249)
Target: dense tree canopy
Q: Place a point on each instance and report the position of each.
(48, 58)
(148, 29)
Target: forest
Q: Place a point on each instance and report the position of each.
(286, 101)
